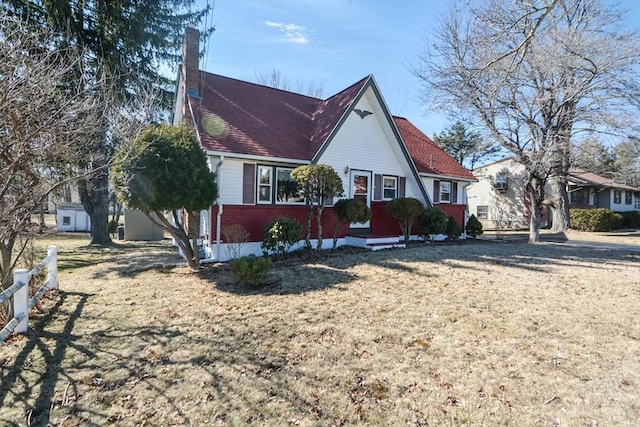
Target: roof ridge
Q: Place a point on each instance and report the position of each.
(264, 86)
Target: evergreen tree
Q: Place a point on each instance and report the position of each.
(467, 147)
(125, 41)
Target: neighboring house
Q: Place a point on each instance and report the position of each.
(499, 201)
(254, 136)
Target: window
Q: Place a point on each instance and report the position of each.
(617, 196)
(264, 184)
(445, 192)
(66, 220)
(628, 197)
(482, 212)
(389, 187)
(578, 196)
(287, 190)
(637, 205)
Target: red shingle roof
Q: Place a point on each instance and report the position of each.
(240, 117)
(235, 116)
(427, 155)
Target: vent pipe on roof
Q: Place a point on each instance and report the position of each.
(431, 161)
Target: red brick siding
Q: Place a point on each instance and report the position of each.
(454, 210)
(255, 217)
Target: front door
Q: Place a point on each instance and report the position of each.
(361, 190)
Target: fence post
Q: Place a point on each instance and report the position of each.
(52, 267)
(21, 300)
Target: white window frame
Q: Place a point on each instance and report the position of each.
(615, 193)
(278, 169)
(260, 185)
(448, 193)
(486, 212)
(637, 204)
(394, 188)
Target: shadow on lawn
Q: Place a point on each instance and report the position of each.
(52, 348)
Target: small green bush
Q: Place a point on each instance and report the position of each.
(280, 234)
(630, 219)
(406, 210)
(474, 227)
(595, 219)
(432, 221)
(113, 227)
(250, 269)
(348, 211)
(453, 229)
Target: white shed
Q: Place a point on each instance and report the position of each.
(72, 217)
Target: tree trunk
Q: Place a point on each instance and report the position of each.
(307, 240)
(561, 220)
(535, 189)
(319, 219)
(94, 196)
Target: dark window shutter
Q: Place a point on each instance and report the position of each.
(402, 184)
(249, 184)
(454, 192)
(436, 191)
(377, 187)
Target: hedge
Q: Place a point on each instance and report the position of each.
(630, 219)
(595, 219)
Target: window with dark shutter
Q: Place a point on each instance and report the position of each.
(377, 187)
(454, 192)
(249, 183)
(402, 185)
(436, 191)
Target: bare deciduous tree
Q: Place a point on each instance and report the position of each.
(42, 121)
(536, 73)
(50, 116)
(274, 78)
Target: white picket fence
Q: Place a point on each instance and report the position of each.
(20, 293)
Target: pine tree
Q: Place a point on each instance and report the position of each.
(467, 147)
(125, 41)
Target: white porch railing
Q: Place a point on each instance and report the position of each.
(20, 293)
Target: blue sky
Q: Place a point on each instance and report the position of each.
(335, 43)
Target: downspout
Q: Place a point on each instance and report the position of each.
(218, 216)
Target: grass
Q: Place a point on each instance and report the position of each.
(488, 333)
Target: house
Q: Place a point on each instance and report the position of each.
(254, 136)
(498, 199)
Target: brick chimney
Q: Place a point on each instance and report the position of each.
(190, 61)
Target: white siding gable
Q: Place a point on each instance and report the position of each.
(369, 144)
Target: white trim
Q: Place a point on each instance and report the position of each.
(230, 155)
(352, 191)
(395, 187)
(446, 177)
(258, 185)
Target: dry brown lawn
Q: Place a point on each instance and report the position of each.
(485, 333)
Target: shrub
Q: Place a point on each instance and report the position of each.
(474, 227)
(406, 210)
(348, 211)
(235, 236)
(250, 269)
(630, 219)
(453, 229)
(280, 234)
(595, 219)
(113, 227)
(432, 222)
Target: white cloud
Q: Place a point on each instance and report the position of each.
(292, 33)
